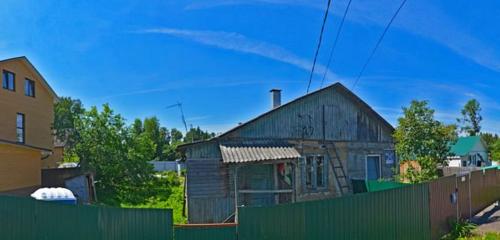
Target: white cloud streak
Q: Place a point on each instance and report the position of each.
(240, 43)
(422, 18)
(425, 19)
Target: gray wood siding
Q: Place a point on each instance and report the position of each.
(345, 119)
(209, 210)
(206, 150)
(207, 178)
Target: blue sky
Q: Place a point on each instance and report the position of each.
(221, 57)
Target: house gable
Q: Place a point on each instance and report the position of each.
(333, 113)
(35, 74)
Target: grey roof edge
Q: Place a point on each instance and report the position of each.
(336, 85)
(44, 81)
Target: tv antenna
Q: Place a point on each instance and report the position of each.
(179, 105)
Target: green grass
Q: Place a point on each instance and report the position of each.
(487, 236)
(169, 194)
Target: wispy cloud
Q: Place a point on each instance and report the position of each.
(184, 84)
(219, 3)
(423, 18)
(240, 43)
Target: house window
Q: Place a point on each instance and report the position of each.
(9, 80)
(20, 125)
(315, 172)
(320, 168)
(29, 88)
(309, 171)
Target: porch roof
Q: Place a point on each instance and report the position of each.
(257, 153)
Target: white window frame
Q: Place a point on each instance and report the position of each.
(379, 163)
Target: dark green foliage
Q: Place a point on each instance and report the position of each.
(471, 118)
(120, 162)
(196, 134)
(119, 154)
(166, 191)
(492, 142)
(421, 138)
(67, 112)
(460, 229)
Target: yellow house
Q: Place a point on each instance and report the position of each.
(26, 117)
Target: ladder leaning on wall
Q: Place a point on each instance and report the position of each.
(341, 179)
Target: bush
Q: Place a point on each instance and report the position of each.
(461, 229)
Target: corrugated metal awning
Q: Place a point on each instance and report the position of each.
(256, 153)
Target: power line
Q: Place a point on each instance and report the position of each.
(319, 44)
(335, 43)
(378, 44)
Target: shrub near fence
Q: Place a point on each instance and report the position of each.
(27, 219)
(401, 213)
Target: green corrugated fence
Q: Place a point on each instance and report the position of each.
(375, 185)
(205, 232)
(28, 219)
(401, 213)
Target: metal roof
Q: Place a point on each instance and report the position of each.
(464, 145)
(256, 153)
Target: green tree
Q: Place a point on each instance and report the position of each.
(471, 118)
(175, 136)
(118, 160)
(67, 112)
(137, 127)
(489, 139)
(196, 134)
(421, 138)
(495, 150)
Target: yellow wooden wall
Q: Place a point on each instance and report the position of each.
(20, 167)
(39, 111)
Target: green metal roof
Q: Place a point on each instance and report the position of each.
(464, 145)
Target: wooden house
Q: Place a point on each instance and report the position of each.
(307, 149)
(469, 152)
(26, 117)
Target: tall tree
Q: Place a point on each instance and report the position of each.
(119, 161)
(157, 134)
(471, 118)
(175, 136)
(137, 127)
(67, 112)
(421, 138)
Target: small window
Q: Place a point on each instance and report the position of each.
(309, 171)
(315, 172)
(9, 80)
(29, 88)
(20, 124)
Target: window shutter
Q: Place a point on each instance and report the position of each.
(302, 167)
